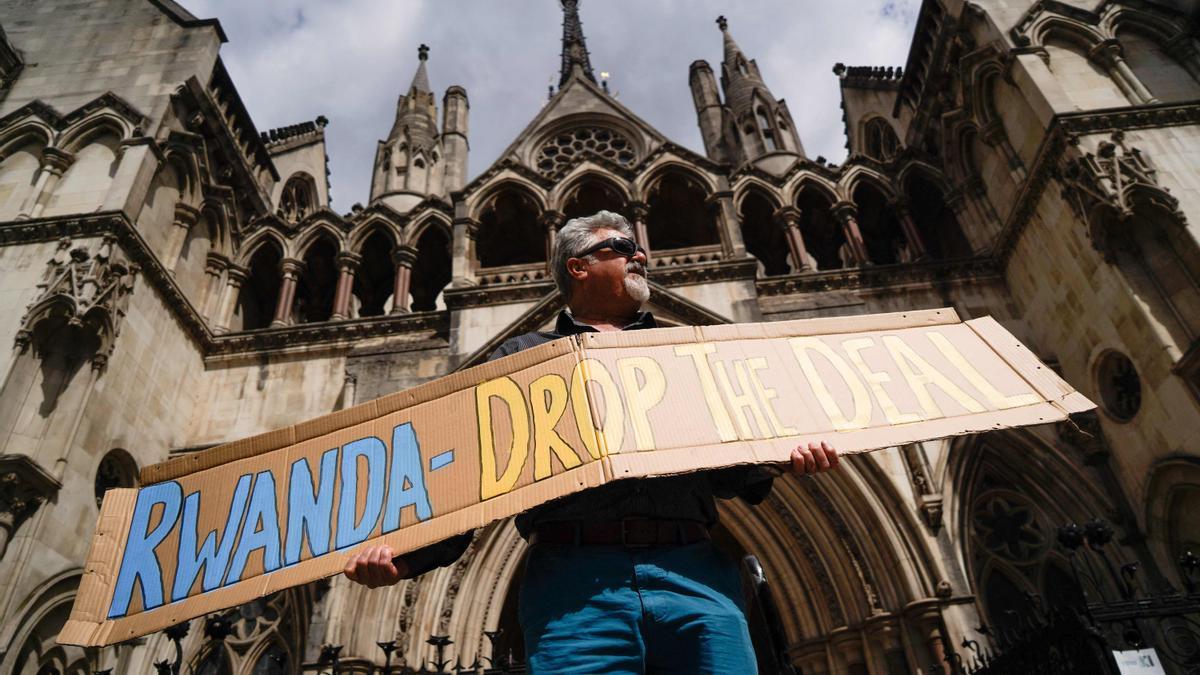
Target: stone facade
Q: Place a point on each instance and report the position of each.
(174, 279)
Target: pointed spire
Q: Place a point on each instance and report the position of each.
(421, 79)
(732, 50)
(574, 47)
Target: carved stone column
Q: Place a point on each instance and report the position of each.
(788, 219)
(24, 486)
(1110, 56)
(290, 268)
(847, 213)
(732, 244)
(404, 257)
(551, 221)
(462, 261)
(55, 163)
(215, 265)
(637, 213)
(185, 218)
(234, 278)
(916, 245)
(347, 263)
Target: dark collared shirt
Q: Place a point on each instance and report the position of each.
(687, 497)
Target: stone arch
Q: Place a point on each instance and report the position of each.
(250, 246)
(318, 276)
(1120, 17)
(1162, 75)
(762, 233)
(84, 132)
(877, 220)
(375, 242)
(679, 215)
(509, 229)
(33, 647)
(313, 233)
(879, 139)
(653, 174)
(1049, 27)
(20, 161)
(299, 198)
(85, 184)
(589, 192)
(823, 235)
(259, 294)
(116, 469)
(935, 221)
(358, 236)
(1086, 85)
(1005, 513)
(1173, 495)
(433, 240)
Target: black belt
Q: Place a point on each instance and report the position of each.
(627, 532)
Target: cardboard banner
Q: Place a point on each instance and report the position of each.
(215, 529)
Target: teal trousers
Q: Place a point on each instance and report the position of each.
(666, 609)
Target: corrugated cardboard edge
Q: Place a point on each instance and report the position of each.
(87, 620)
(1044, 381)
(332, 422)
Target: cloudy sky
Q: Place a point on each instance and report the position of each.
(293, 60)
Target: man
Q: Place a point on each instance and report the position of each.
(623, 577)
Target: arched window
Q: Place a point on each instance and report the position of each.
(939, 228)
(375, 280)
(764, 126)
(299, 198)
(260, 290)
(593, 195)
(678, 215)
(431, 271)
(509, 233)
(317, 283)
(879, 225)
(83, 187)
(1087, 86)
(880, 140)
(18, 172)
(1157, 71)
(116, 470)
(823, 235)
(763, 236)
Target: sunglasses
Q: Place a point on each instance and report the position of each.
(623, 246)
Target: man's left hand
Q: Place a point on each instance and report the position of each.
(815, 458)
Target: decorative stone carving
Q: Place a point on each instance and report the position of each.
(24, 486)
(564, 149)
(87, 287)
(1105, 187)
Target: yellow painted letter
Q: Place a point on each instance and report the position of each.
(862, 400)
(708, 386)
(548, 401)
(766, 395)
(977, 379)
(740, 402)
(875, 380)
(642, 397)
(509, 393)
(599, 439)
(924, 375)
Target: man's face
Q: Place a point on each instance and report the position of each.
(613, 274)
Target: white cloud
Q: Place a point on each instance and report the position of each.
(295, 59)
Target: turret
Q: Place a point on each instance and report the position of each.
(761, 124)
(709, 112)
(455, 109)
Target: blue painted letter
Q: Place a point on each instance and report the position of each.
(350, 532)
(310, 508)
(214, 560)
(406, 470)
(262, 511)
(140, 561)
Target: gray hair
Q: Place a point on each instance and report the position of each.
(576, 236)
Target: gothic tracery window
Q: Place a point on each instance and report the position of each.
(880, 140)
(299, 198)
(562, 150)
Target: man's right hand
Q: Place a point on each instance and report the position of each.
(375, 566)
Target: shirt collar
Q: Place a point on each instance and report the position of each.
(567, 325)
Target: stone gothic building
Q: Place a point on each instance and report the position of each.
(173, 278)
